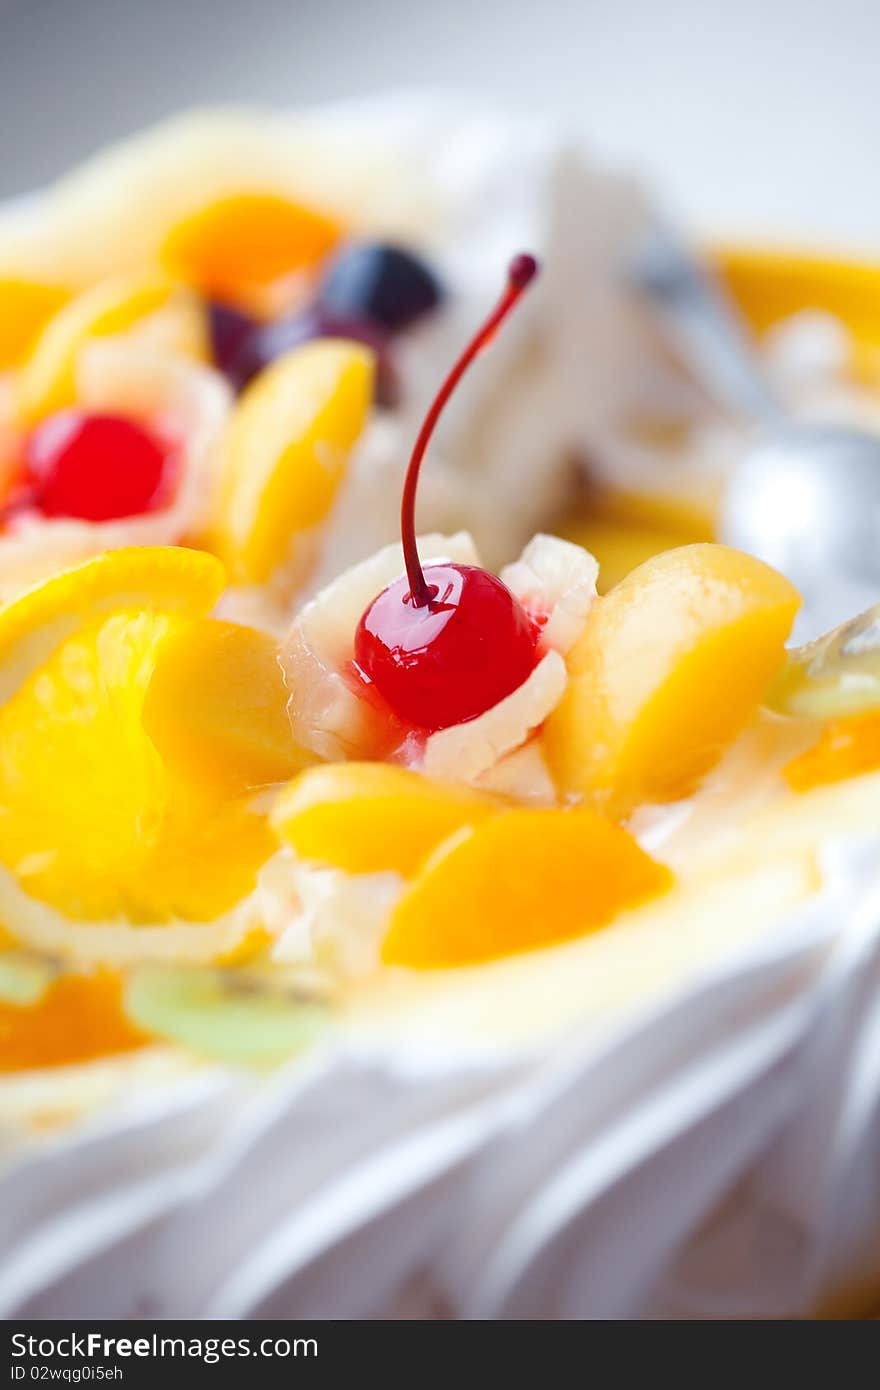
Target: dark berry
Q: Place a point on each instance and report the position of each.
(268, 341)
(229, 328)
(383, 284)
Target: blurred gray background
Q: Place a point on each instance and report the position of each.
(755, 117)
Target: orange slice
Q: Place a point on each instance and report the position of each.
(216, 708)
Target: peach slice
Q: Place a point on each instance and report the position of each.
(671, 666)
(846, 748)
(517, 881)
(371, 818)
(216, 708)
(287, 447)
(245, 242)
(621, 545)
(26, 306)
(78, 1018)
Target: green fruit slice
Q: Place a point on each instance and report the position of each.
(231, 1015)
(24, 978)
(835, 676)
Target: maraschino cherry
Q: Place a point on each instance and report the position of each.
(444, 644)
(95, 467)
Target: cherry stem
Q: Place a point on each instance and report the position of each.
(521, 272)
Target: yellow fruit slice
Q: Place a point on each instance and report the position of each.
(47, 381)
(204, 861)
(624, 529)
(82, 794)
(216, 708)
(247, 241)
(26, 306)
(166, 579)
(77, 1019)
(518, 881)
(92, 822)
(846, 748)
(771, 285)
(369, 818)
(620, 546)
(286, 451)
(671, 666)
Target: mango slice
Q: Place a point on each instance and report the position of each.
(78, 1018)
(846, 748)
(216, 708)
(671, 666)
(26, 306)
(516, 882)
(247, 241)
(287, 447)
(371, 818)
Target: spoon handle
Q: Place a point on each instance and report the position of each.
(705, 326)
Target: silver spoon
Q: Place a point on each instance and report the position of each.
(805, 498)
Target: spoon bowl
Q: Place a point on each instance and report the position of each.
(804, 497)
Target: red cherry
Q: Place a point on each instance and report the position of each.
(452, 658)
(96, 467)
(445, 644)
